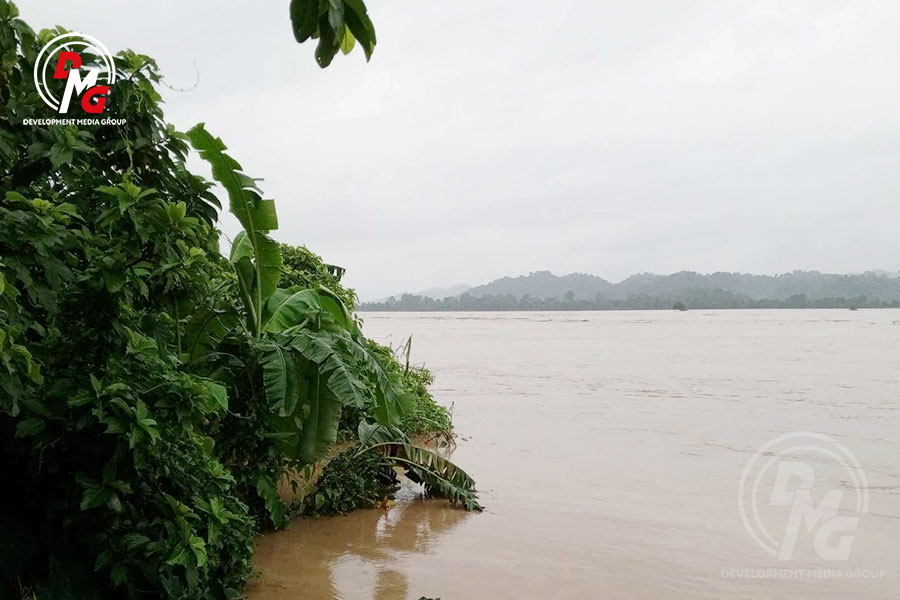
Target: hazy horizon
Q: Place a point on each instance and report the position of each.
(467, 285)
(593, 137)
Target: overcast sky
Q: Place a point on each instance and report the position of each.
(497, 138)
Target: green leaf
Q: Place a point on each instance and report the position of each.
(94, 496)
(268, 264)
(218, 393)
(135, 540)
(206, 329)
(245, 201)
(257, 216)
(287, 308)
(114, 503)
(393, 401)
(336, 16)
(241, 248)
(266, 490)
(29, 427)
(329, 42)
(280, 377)
(320, 427)
(96, 385)
(60, 154)
(304, 18)
(347, 41)
(198, 546)
(356, 17)
(343, 382)
(313, 345)
(338, 311)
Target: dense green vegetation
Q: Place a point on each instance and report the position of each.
(545, 291)
(301, 267)
(155, 392)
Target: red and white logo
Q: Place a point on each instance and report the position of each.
(77, 65)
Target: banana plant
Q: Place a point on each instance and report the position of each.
(309, 347)
(255, 256)
(313, 356)
(313, 349)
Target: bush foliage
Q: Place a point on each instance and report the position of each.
(154, 392)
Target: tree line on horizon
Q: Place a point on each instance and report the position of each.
(545, 291)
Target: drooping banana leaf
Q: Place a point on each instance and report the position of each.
(325, 350)
(310, 428)
(439, 475)
(241, 259)
(371, 434)
(308, 380)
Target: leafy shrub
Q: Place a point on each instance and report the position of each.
(352, 480)
(153, 391)
(303, 268)
(105, 240)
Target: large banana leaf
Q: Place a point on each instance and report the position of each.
(266, 258)
(308, 379)
(338, 311)
(242, 261)
(257, 217)
(325, 350)
(320, 426)
(311, 427)
(281, 376)
(245, 200)
(291, 307)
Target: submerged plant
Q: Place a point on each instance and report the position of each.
(350, 481)
(438, 475)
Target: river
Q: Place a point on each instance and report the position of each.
(609, 448)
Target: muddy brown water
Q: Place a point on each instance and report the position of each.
(608, 448)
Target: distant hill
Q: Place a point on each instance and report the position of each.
(543, 284)
(543, 290)
(437, 293)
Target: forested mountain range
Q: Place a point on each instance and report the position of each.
(543, 290)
